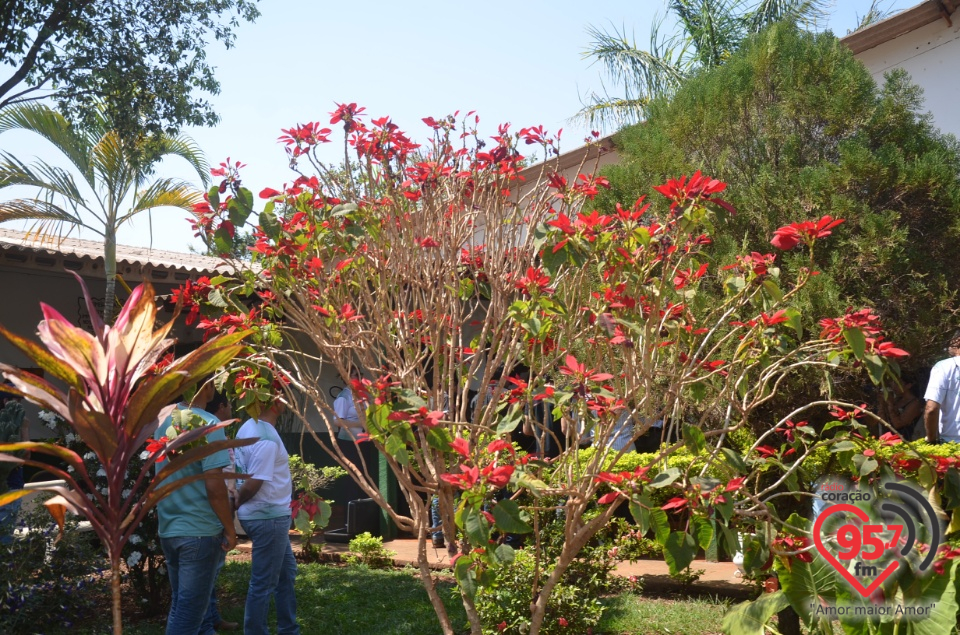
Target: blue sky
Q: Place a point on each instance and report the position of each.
(518, 61)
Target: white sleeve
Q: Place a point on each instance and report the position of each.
(936, 386)
(343, 406)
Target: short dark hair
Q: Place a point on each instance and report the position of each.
(219, 399)
(954, 341)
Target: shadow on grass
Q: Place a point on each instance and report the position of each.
(352, 600)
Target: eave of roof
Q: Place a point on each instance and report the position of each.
(900, 24)
(91, 250)
(574, 158)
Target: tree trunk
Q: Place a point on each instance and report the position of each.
(110, 271)
(115, 588)
(426, 577)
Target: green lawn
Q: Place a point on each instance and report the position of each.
(638, 615)
(358, 601)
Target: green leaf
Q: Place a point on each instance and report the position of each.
(396, 448)
(693, 438)
(509, 518)
(756, 552)
(532, 325)
(344, 209)
(795, 321)
(512, 419)
(269, 223)
(526, 480)
(734, 460)
(302, 522)
(679, 551)
(641, 516)
(217, 299)
(704, 532)
(951, 489)
(856, 340)
(466, 576)
(943, 588)
(475, 525)
(750, 618)
(661, 525)
(504, 554)
(773, 290)
(665, 478)
(439, 439)
(865, 464)
(698, 391)
(808, 585)
(213, 196)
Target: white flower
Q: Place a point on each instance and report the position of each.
(49, 419)
(105, 491)
(70, 437)
(89, 456)
(125, 493)
(135, 539)
(69, 468)
(101, 472)
(144, 455)
(134, 558)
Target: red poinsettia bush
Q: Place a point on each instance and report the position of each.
(502, 322)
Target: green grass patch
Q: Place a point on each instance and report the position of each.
(637, 615)
(356, 600)
(352, 599)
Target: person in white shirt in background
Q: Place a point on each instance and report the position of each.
(351, 436)
(941, 416)
(263, 506)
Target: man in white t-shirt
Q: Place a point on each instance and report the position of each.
(941, 417)
(263, 507)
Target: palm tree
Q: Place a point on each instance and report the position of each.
(120, 188)
(709, 31)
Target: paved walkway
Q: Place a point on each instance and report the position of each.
(718, 578)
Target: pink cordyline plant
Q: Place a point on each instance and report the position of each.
(113, 397)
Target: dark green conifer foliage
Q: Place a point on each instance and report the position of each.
(798, 128)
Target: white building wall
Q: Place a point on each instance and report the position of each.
(931, 54)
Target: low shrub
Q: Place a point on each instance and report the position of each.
(504, 605)
(46, 583)
(368, 550)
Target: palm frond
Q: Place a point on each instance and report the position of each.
(36, 209)
(874, 14)
(115, 175)
(806, 12)
(189, 150)
(606, 113)
(643, 74)
(52, 126)
(41, 175)
(714, 27)
(164, 193)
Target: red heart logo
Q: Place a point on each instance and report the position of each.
(835, 563)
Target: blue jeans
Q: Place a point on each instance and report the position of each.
(213, 618)
(192, 565)
(272, 574)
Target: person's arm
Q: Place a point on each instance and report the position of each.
(931, 421)
(248, 490)
(220, 503)
(910, 414)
